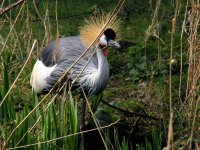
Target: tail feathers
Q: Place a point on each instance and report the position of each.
(39, 75)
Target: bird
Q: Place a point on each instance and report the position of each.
(94, 77)
(60, 54)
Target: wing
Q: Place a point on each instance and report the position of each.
(64, 53)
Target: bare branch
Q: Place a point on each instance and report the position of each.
(128, 114)
(3, 10)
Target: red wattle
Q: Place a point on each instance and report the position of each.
(105, 52)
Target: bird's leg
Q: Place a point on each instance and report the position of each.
(83, 114)
(82, 124)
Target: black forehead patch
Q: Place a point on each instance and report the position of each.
(110, 33)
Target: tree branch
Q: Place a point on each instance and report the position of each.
(4, 10)
(128, 114)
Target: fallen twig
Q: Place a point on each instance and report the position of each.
(3, 10)
(127, 113)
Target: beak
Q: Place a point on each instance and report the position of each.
(113, 43)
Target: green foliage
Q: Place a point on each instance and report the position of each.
(155, 144)
(96, 101)
(124, 145)
(50, 127)
(7, 111)
(138, 62)
(73, 118)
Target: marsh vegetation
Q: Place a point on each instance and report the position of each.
(152, 100)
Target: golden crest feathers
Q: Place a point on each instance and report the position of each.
(94, 26)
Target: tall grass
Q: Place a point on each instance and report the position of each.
(154, 144)
(189, 96)
(27, 128)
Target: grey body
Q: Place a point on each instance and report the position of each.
(64, 53)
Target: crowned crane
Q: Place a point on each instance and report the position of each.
(60, 54)
(47, 69)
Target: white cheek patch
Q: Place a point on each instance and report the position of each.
(103, 41)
